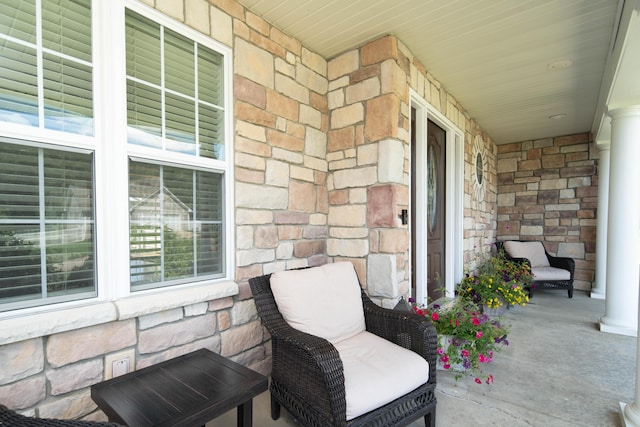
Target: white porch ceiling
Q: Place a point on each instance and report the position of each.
(493, 56)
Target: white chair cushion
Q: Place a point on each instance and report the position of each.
(377, 371)
(324, 301)
(533, 251)
(550, 273)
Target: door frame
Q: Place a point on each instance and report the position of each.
(454, 197)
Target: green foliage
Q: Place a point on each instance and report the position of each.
(178, 254)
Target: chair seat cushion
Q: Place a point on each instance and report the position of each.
(543, 274)
(377, 371)
(324, 301)
(533, 251)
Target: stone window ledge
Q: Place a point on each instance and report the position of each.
(55, 321)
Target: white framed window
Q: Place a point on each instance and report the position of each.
(114, 141)
(175, 105)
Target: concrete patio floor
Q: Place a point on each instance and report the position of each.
(559, 370)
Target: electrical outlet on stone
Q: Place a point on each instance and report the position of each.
(119, 363)
(120, 367)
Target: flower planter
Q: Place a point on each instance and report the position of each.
(467, 339)
(444, 342)
(494, 312)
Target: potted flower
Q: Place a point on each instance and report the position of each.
(467, 338)
(511, 271)
(496, 284)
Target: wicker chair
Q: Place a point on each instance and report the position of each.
(545, 280)
(307, 375)
(13, 419)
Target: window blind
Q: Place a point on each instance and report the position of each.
(174, 91)
(175, 216)
(65, 67)
(46, 225)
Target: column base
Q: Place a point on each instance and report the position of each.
(620, 330)
(598, 295)
(629, 416)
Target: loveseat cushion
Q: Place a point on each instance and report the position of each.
(533, 251)
(544, 274)
(377, 371)
(324, 301)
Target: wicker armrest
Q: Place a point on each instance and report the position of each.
(14, 419)
(408, 330)
(315, 351)
(563, 263)
(315, 364)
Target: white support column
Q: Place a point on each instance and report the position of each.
(623, 230)
(600, 288)
(630, 413)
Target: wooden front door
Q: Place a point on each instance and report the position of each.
(436, 161)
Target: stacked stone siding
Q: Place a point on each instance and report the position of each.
(368, 152)
(281, 123)
(50, 376)
(367, 163)
(480, 216)
(547, 191)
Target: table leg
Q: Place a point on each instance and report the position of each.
(245, 414)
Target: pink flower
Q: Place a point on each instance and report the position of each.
(464, 353)
(446, 366)
(444, 358)
(482, 358)
(475, 321)
(440, 350)
(489, 379)
(478, 380)
(479, 334)
(434, 316)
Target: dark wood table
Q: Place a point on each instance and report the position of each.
(189, 390)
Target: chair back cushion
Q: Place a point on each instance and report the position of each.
(324, 301)
(533, 251)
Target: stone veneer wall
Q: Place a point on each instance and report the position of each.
(548, 191)
(368, 151)
(321, 172)
(50, 376)
(480, 216)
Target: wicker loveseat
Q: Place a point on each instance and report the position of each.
(11, 418)
(549, 272)
(330, 371)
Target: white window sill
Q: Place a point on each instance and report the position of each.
(53, 322)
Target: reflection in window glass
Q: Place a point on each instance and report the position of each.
(176, 225)
(65, 70)
(174, 91)
(46, 225)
